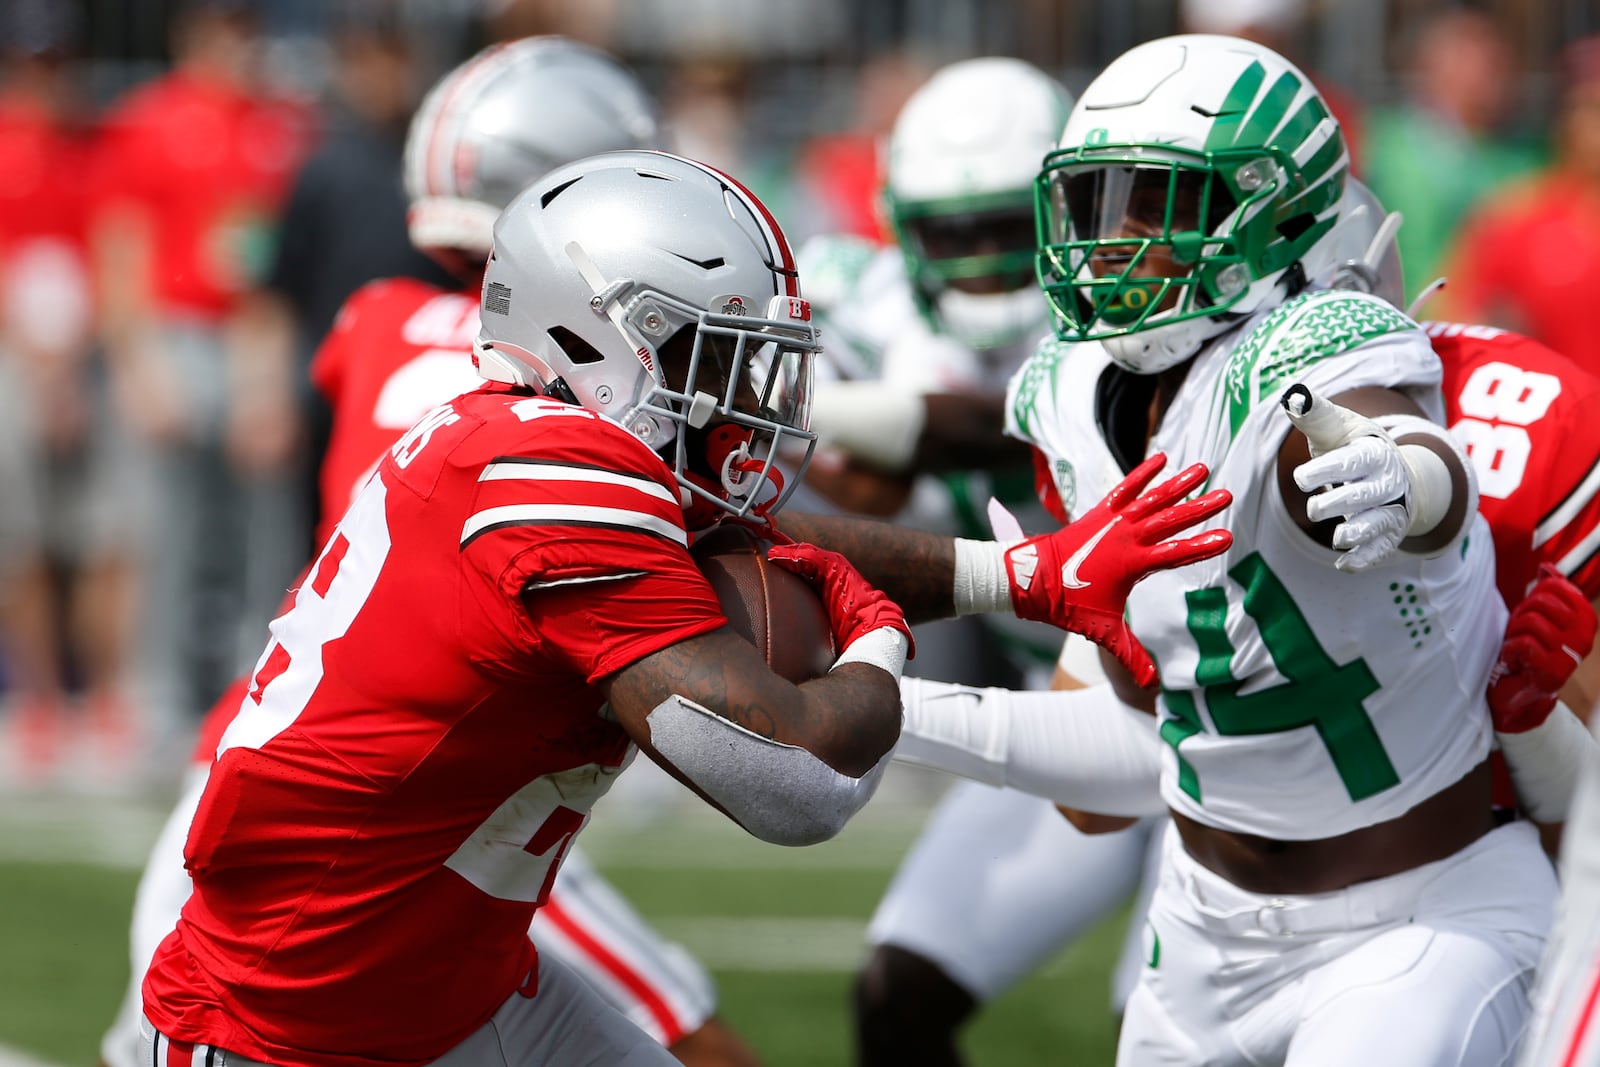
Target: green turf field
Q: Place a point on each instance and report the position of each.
(780, 928)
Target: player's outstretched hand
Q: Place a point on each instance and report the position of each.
(1355, 474)
(855, 607)
(1079, 577)
(1548, 635)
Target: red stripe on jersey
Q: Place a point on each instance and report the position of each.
(328, 566)
(179, 1053)
(276, 664)
(671, 1027)
(1581, 1026)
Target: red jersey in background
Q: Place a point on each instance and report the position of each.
(1527, 416)
(206, 166)
(398, 349)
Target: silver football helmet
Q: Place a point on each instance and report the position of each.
(659, 292)
(503, 118)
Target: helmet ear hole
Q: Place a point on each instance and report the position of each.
(578, 351)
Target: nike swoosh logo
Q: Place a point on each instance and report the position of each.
(1069, 569)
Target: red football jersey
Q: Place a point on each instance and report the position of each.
(418, 748)
(1519, 408)
(206, 165)
(398, 349)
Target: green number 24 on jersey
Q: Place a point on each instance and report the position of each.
(1317, 692)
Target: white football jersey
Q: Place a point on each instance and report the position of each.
(1297, 701)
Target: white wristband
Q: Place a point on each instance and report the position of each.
(1431, 489)
(884, 648)
(873, 421)
(982, 583)
(1547, 761)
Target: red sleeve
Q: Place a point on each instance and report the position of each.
(588, 519)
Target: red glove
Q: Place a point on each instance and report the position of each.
(855, 607)
(1549, 634)
(1079, 577)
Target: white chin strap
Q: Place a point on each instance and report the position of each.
(992, 319)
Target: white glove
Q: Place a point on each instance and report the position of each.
(1384, 492)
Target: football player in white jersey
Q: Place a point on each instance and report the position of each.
(924, 335)
(1334, 889)
(399, 349)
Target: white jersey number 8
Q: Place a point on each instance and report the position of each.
(1497, 403)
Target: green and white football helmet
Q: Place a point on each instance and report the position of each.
(1196, 181)
(962, 158)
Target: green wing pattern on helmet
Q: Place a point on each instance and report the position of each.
(1250, 117)
(1292, 337)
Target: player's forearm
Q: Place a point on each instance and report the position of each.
(914, 567)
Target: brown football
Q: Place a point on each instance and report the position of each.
(775, 610)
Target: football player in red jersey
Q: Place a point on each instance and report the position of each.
(401, 347)
(508, 608)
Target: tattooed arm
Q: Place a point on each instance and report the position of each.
(915, 568)
(788, 763)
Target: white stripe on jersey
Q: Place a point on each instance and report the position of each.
(557, 514)
(1575, 502)
(556, 472)
(1569, 563)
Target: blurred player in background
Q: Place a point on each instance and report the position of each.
(924, 336)
(195, 166)
(71, 513)
(399, 348)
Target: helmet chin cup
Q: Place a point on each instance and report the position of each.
(1159, 348)
(735, 466)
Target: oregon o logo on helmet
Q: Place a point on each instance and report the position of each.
(1097, 136)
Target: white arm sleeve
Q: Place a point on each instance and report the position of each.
(1080, 747)
(1547, 761)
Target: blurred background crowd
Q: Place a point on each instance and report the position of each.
(190, 188)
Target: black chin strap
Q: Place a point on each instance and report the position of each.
(559, 389)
